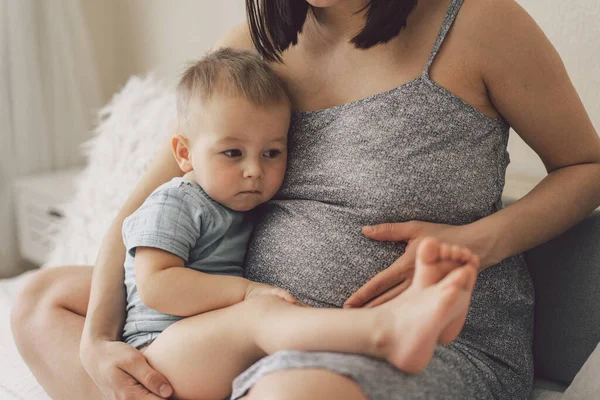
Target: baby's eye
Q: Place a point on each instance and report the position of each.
(233, 153)
(272, 153)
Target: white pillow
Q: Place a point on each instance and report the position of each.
(130, 129)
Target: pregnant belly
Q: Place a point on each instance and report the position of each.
(316, 251)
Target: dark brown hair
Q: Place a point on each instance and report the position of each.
(231, 72)
(275, 24)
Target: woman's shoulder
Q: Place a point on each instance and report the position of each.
(238, 38)
(488, 23)
(506, 40)
(497, 36)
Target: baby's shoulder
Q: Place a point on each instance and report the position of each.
(181, 195)
(182, 190)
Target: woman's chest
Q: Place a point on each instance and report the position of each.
(317, 87)
(399, 154)
(322, 77)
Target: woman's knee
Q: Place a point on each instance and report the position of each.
(300, 384)
(45, 289)
(34, 292)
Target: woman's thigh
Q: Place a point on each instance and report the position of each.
(301, 384)
(47, 320)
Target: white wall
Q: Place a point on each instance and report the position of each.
(101, 23)
(139, 36)
(162, 35)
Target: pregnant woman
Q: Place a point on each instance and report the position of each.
(402, 113)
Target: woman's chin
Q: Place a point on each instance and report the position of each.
(324, 3)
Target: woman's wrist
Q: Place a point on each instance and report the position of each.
(86, 350)
(482, 239)
(90, 342)
(93, 336)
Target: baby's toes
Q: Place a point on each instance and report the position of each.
(466, 255)
(474, 261)
(456, 253)
(445, 252)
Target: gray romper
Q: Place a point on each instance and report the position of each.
(180, 218)
(416, 152)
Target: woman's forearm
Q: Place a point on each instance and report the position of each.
(558, 202)
(106, 308)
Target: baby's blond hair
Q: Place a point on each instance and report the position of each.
(229, 72)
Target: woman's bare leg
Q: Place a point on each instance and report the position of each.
(47, 320)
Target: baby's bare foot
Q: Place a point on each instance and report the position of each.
(443, 258)
(432, 310)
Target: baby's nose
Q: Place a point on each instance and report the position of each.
(253, 170)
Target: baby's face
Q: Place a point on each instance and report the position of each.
(239, 150)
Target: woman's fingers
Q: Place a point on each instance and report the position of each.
(390, 294)
(136, 391)
(382, 282)
(395, 275)
(138, 367)
(394, 232)
(121, 372)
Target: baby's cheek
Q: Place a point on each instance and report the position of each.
(275, 181)
(216, 184)
(280, 171)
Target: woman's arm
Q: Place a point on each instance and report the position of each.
(529, 85)
(116, 367)
(106, 313)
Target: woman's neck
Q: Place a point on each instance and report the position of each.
(338, 23)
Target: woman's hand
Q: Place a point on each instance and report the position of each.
(121, 372)
(260, 289)
(398, 276)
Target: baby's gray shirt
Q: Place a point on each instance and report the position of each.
(179, 217)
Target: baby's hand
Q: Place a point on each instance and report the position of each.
(260, 289)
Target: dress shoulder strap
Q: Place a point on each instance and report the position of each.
(450, 17)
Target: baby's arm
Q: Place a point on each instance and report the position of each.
(160, 236)
(166, 285)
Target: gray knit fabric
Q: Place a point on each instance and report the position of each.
(416, 152)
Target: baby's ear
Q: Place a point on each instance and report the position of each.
(181, 151)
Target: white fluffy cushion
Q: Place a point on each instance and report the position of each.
(128, 134)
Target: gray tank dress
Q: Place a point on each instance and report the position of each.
(416, 152)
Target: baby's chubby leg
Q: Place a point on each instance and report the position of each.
(202, 355)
